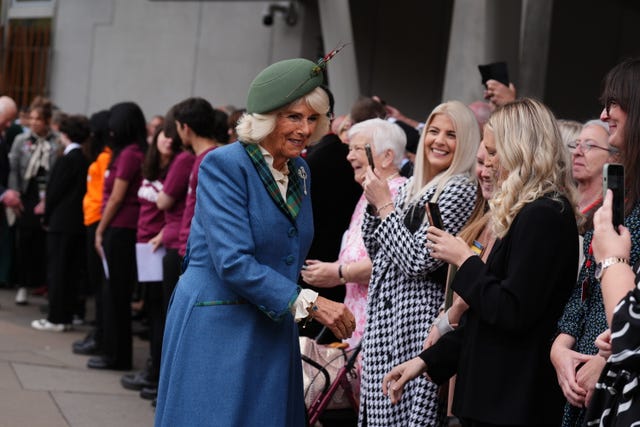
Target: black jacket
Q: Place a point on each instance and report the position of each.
(334, 194)
(65, 191)
(501, 350)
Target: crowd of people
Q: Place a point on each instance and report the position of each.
(474, 250)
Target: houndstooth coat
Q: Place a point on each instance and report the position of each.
(405, 292)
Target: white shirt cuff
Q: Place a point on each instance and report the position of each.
(306, 297)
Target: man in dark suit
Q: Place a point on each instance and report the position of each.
(64, 219)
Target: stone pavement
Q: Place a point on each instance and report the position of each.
(42, 383)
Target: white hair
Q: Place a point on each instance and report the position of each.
(597, 122)
(384, 136)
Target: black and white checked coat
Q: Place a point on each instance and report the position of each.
(403, 300)
(616, 400)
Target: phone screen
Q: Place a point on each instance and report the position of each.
(613, 179)
(433, 215)
(367, 149)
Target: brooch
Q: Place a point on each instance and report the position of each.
(303, 175)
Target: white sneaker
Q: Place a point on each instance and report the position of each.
(45, 325)
(21, 296)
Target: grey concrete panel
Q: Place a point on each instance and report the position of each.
(29, 408)
(146, 55)
(158, 53)
(42, 383)
(233, 46)
(9, 379)
(30, 357)
(35, 377)
(72, 54)
(101, 410)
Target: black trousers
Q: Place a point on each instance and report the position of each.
(153, 302)
(120, 251)
(65, 255)
(95, 278)
(31, 266)
(157, 300)
(171, 270)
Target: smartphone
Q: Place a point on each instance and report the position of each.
(613, 179)
(433, 215)
(367, 149)
(494, 71)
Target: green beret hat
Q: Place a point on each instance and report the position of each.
(282, 83)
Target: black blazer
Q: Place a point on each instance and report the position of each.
(334, 194)
(65, 191)
(501, 350)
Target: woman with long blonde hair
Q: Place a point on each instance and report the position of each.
(500, 351)
(407, 284)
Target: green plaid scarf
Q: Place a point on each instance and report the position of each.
(294, 193)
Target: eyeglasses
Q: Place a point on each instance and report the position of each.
(610, 104)
(587, 145)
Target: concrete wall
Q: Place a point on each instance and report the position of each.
(482, 31)
(158, 53)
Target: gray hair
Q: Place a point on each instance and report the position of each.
(384, 135)
(597, 122)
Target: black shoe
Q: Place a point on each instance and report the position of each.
(87, 346)
(149, 393)
(154, 402)
(102, 362)
(137, 381)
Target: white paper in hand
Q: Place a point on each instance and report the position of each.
(105, 266)
(149, 262)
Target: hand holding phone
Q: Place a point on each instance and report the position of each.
(433, 215)
(494, 71)
(367, 149)
(613, 179)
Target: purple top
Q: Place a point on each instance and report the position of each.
(190, 206)
(128, 166)
(176, 185)
(151, 219)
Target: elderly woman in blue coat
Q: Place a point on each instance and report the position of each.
(231, 355)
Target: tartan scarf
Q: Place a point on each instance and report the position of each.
(294, 194)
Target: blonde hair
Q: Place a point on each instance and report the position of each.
(467, 141)
(530, 148)
(254, 127)
(477, 221)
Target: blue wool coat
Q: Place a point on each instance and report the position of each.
(230, 354)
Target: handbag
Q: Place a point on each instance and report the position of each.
(320, 366)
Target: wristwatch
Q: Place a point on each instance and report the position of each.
(606, 263)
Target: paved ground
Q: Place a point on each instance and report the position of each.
(42, 383)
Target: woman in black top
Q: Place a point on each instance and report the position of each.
(500, 351)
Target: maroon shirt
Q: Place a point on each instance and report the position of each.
(176, 185)
(151, 219)
(128, 166)
(191, 203)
